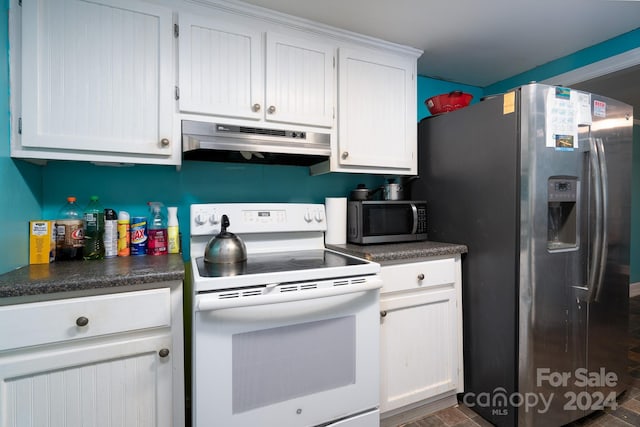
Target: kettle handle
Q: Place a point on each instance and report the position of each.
(224, 223)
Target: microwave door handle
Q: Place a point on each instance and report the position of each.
(414, 209)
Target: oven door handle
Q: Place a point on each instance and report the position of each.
(205, 302)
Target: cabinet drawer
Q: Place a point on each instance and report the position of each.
(419, 275)
(46, 322)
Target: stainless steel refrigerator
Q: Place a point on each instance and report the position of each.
(536, 182)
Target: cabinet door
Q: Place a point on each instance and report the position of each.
(97, 76)
(221, 68)
(300, 81)
(419, 347)
(376, 118)
(113, 384)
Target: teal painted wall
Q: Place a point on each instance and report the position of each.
(612, 47)
(130, 188)
(20, 183)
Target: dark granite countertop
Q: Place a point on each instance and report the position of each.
(400, 251)
(68, 276)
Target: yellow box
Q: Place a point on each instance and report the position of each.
(42, 242)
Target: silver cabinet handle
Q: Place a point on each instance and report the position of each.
(345, 155)
(164, 352)
(164, 142)
(82, 321)
(383, 314)
(421, 277)
(255, 108)
(271, 109)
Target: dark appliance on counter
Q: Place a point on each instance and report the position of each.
(536, 182)
(386, 221)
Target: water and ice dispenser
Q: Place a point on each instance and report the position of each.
(562, 224)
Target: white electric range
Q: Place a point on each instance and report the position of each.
(289, 338)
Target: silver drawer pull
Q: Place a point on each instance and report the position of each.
(82, 321)
(421, 277)
(383, 314)
(164, 352)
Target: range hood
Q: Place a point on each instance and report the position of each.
(231, 143)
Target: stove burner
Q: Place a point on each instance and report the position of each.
(278, 262)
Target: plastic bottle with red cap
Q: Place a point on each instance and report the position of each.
(69, 231)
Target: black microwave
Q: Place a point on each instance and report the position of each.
(386, 221)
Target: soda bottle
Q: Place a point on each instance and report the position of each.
(94, 230)
(157, 230)
(69, 231)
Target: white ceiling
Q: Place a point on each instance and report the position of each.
(476, 42)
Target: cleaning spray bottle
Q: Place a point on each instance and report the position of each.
(173, 230)
(156, 230)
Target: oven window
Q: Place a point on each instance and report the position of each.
(387, 219)
(278, 364)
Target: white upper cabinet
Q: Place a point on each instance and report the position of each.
(108, 81)
(300, 81)
(231, 69)
(97, 82)
(221, 68)
(377, 113)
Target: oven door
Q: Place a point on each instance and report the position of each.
(295, 358)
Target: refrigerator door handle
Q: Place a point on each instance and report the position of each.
(598, 254)
(604, 181)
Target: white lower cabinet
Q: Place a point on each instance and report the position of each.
(120, 383)
(421, 334)
(92, 361)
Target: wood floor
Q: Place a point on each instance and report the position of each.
(625, 415)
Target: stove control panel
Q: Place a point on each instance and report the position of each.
(264, 216)
(205, 219)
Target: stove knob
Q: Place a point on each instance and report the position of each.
(308, 217)
(213, 219)
(319, 216)
(201, 219)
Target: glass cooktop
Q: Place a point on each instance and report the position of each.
(278, 262)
